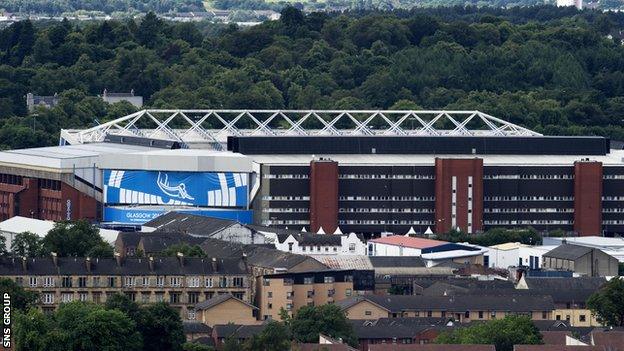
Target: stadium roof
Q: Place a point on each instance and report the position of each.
(212, 127)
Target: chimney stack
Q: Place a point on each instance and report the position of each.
(118, 259)
(54, 259)
(151, 263)
(88, 264)
(181, 258)
(214, 264)
(24, 263)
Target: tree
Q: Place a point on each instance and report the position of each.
(310, 321)
(73, 239)
(76, 326)
(21, 299)
(27, 244)
(274, 337)
(193, 346)
(502, 333)
(161, 327)
(608, 303)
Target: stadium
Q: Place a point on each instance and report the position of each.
(352, 171)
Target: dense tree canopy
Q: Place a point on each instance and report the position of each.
(552, 70)
(502, 333)
(79, 238)
(310, 321)
(21, 299)
(495, 236)
(608, 303)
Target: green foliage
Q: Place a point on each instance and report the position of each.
(76, 326)
(192, 346)
(607, 304)
(502, 333)
(59, 7)
(274, 337)
(78, 238)
(494, 236)
(536, 66)
(310, 321)
(27, 244)
(159, 324)
(231, 344)
(21, 299)
(184, 248)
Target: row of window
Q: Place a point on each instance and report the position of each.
(134, 281)
(285, 210)
(285, 176)
(386, 176)
(386, 210)
(528, 176)
(528, 198)
(529, 222)
(48, 298)
(386, 198)
(528, 210)
(285, 222)
(395, 221)
(285, 198)
(613, 210)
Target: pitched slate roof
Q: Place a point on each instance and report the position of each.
(237, 330)
(469, 283)
(160, 241)
(462, 303)
(210, 303)
(387, 328)
(565, 283)
(256, 255)
(188, 223)
(195, 328)
(129, 266)
(612, 339)
(555, 337)
(568, 252)
(558, 348)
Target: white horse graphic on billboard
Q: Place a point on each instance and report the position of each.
(178, 190)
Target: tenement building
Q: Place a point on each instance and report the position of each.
(366, 172)
(183, 282)
(292, 291)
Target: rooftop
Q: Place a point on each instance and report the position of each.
(430, 347)
(568, 251)
(408, 241)
(158, 124)
(219, 299)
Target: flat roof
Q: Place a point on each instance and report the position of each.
(183, 160)
(408, 241)
(614, 158)
(65, 158)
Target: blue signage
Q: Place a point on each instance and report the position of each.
(223, 189)
(126, 215)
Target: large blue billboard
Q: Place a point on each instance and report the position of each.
(137, 216)
(175, 188)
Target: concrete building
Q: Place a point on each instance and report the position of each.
(433, 252)
(464, 308)
(381, 175)
(581, 260)
(111, 98)
(611, 246)
(312, 288)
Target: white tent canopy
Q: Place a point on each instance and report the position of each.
(411, 231)
(338, 231)
(428, 231)
(320, 231)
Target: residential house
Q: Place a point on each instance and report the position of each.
(569, 295)
(242, 333)
(34, 101)
(398, 330)
(462, 308)
(312, 288)
(111, 98)
(194, 330)
(181, 281)
(582, 260)
(313, 243)
(226, 309)
(131, 244)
